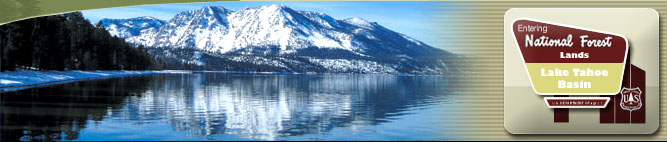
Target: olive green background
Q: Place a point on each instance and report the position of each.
(468, 27)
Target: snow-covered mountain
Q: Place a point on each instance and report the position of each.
(279, 38)
(133, 29)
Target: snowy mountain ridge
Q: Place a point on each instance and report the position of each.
(272, 31)
(217, 29)
(132, 28)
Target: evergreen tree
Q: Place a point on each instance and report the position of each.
(67, 42)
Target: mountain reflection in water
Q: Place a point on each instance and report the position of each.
(216, 106)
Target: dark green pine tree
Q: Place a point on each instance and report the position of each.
(67, 42)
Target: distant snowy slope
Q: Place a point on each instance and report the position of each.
(133, 29)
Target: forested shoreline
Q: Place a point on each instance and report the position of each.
(67, 42)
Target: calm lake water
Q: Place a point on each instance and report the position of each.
(217, 106)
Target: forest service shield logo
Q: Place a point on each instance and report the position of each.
(631, 98)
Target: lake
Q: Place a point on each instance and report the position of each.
(224, 106)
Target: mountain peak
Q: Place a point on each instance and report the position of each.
(276, 6)
(276, 29)
(131, 27)
(215, 9)
(206, 16)
(272, 8)
(275, 33)
(359, 22)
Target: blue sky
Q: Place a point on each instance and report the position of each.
(404, 17)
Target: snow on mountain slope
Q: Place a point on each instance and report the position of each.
(276, 30)
(201, 29)
(133, 29)
(279, 27)
(263, 30)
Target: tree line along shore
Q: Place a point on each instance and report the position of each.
(67, 42)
